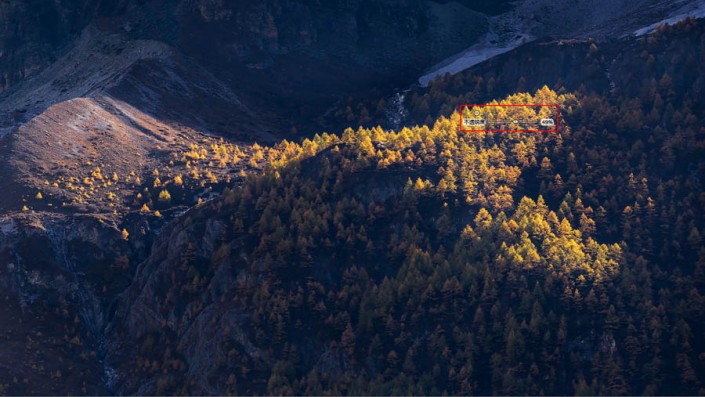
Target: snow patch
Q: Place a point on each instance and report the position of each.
(695, 10)
(473, 55)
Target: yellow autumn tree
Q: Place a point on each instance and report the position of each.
(164, 196)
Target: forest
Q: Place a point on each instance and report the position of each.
(429, 261)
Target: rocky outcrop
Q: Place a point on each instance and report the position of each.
(198, 328)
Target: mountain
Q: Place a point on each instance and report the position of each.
(116, 117)
(175, 220)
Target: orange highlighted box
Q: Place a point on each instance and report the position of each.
(510, 118)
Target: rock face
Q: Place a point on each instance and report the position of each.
(143, 313)
(32, 34)
(57, 275)
(380, 33)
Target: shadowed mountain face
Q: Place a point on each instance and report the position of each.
(295, 56)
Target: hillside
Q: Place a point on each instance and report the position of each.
(424, 261)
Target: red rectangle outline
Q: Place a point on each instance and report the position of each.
(554, 105)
